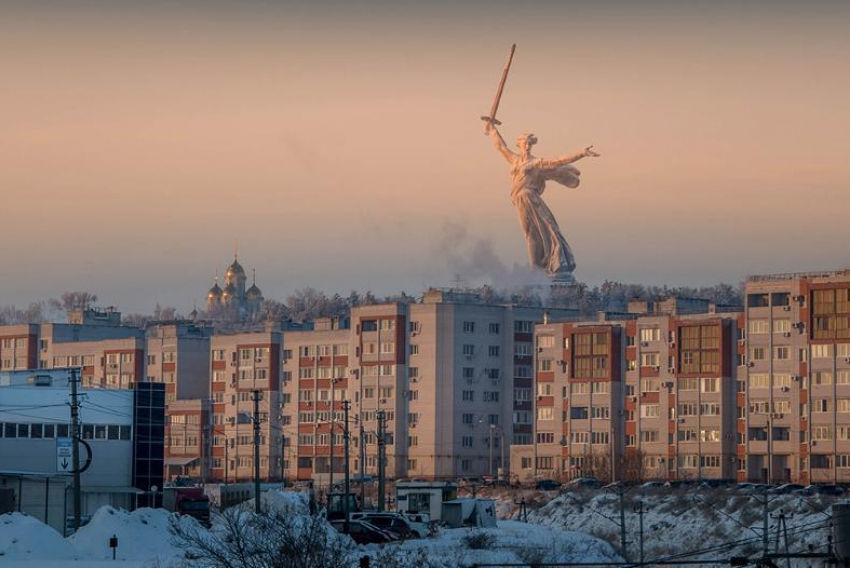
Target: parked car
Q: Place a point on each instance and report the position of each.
(652, 485)
(389, 522)
(362, 532)
(584, 483)
(420, 523)
(824, 489)
(547, 485)
(680, 484)
(787, 488)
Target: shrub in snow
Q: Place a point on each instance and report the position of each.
(479, 540)
(273, 539)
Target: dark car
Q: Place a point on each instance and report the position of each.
(584, 483)
(362, 532)
(787, 488)
(388, 522)
(547, 485)
(824, 489)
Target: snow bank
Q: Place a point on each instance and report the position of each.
(25, 538)
(144, 534)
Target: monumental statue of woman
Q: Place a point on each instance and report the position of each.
(547, 247)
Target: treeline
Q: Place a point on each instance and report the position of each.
(309, 303)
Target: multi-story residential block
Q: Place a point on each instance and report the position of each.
(187, 438)
(649, 394)
(451, 375)
(244, 366)
(795, 419)
(179, 350)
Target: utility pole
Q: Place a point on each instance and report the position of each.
(256, 420)
(622, 495)
(74, 379)
(640, 511)
(362, 463)
(381, 456)
(765, 538)
(490, 466)
(346, 498)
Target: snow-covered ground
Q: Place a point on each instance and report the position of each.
(678, 521)
(145, 540)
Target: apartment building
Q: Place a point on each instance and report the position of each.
(451, 374)
(795, 419)
(245, 365)
(30, 346)
(649, 394)
(179, 349)
(187, 438)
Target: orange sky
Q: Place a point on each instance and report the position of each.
(141, 140)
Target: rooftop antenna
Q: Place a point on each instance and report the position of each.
(458, 281)
(254, 272)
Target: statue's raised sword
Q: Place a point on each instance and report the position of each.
(492, 118)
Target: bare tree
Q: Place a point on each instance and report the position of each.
(632, 466)
(70, 301)
(272, 539)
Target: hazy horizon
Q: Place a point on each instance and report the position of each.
(339, 146)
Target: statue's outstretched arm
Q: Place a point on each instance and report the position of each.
(554, 162)
(500, 144)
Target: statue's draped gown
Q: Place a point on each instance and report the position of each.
(547, 247)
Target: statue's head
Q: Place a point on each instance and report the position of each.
(526, 141)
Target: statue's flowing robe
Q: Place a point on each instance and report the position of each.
(547, 248)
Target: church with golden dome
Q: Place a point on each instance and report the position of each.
(234, 295)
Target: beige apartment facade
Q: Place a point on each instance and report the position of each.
(649, 394)
(796, 358)
(244, 366)
(449, 374)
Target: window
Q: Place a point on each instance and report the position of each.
(579, 437)
(601, 412)
(711, 385)
(414, 349)
(545, 413)
(757, 353)
(523, 326)
(781, 326)
(648, 436)
(831, 309)
(468, 372)
(649, 359)
(710, 461)
(709, 435)
(710, 409)
(649, 411)
(469, 350)
(546, 341)
(468, 418)
(650, 334)
(590, 355)
(491, 396)
(469, 327)
(387, 347)
(700, 349)
(689, 384)
(599, 438)
(821, 378)
(688, 461)
(759, 326)
(522, 349)
(578, 412)
(544, 365)
(493, 328)
(821, 351)
(467, 441)
(781, 353)
(493, 351)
